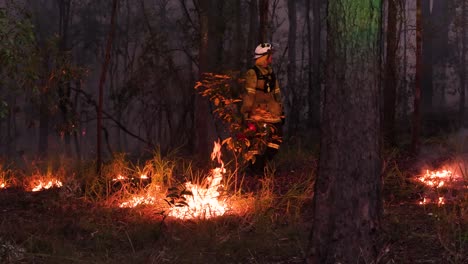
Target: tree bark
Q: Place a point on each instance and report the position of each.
(427, 86)
(314, 60)
(263, 31)
(44, 113)
(238, 36)
(44, 124)
(210, 17)
(347, 200)
(416, 123)
(102, 80)
(252, 35)
(390, 75)
(293, 118)
(462, 68)
(64, 89)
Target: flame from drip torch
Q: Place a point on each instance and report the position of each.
(204, 203)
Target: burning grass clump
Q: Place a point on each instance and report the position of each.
(444, 185)
(43, 180)
(6, 177)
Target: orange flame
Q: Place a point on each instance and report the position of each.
(204, 203)
(44, 185)
(436, 179)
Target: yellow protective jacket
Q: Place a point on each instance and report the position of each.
(262, 96)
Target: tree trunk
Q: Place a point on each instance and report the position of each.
(263, 31)
(77, 131)
(427, 69)
(314, 60)
(390, 75)
(293, 118)
(43, 143)
(440, 47)
(347, 201)
(463, 65)
(102, 80)
(64, 87)
(43, 124)
(210, 51)
(238, 36)
(253, 26)
(416, 123)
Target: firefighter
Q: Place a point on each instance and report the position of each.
(261, 101)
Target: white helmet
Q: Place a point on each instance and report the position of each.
(263, 49)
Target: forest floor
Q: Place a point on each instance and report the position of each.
(49, 227)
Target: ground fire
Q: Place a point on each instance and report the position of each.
(204, 201)
(435, 181)
(197, 200)
(40, 185)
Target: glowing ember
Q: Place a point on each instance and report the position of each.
(119, 178)
(138, 200)
(424, 201)
(122, 178)
(46, 185)
(440, 201)
(204, 203)
(2, 185)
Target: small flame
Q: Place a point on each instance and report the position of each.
(424, 201)
(43, 185)
(2, 185)
(204, 203)
(441, 201)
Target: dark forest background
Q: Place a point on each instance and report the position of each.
(53, 63)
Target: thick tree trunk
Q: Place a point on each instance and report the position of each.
(416, 123)
(390, 75)
(347, 201)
